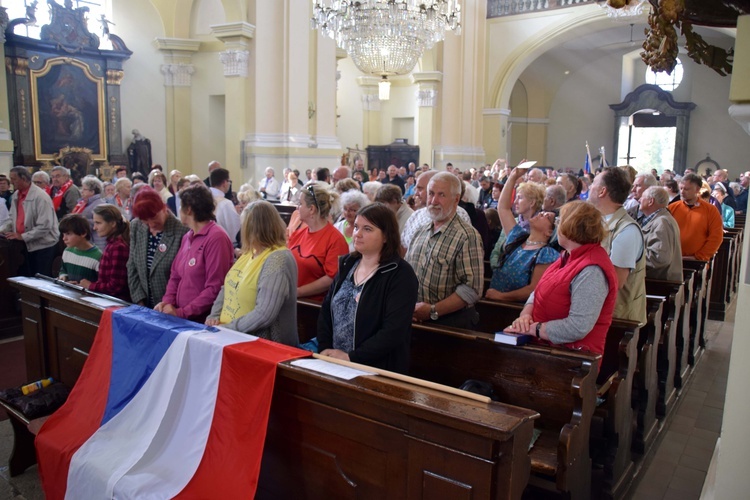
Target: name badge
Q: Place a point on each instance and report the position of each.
(162, 248)
(191, 262)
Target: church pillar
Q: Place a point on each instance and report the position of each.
(426, 122)
(6, 141)
(495, 130)
(460, 105)
(371, 128)
(178, 70)
(732, 480)
(236, 60)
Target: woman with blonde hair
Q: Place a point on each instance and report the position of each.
(259, 295)
(519, 260)
(317, 245)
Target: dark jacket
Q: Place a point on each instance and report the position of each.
(382, 327)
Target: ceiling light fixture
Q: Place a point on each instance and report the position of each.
(386, 37)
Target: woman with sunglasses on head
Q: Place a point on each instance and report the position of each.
(520, 260)
(317, 247)
(366, 316)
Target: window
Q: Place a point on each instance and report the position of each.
(665, 81)
(96, 9)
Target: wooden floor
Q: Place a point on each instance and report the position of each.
(676, 470)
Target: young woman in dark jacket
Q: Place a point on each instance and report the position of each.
(367, 313)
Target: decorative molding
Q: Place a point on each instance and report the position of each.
(262, 140)
(177, 44)
(496, 111)
(327, 142)
(427, 77)
(340, 54)
(459, 151)
(370, 102)
(177, 75)
(741, 114)
(5, 134)
(115, 76)
(19, 65)
(24, 115)
(530, 121)
(234, 35)
(235, 62)
(4, 20)
(113, 112)
(426, 98)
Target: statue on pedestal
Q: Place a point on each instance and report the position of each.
(139, 154)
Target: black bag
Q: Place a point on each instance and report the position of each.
(39, 403)
(479, 387)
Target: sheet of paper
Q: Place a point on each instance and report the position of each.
(102, 302)
(322, 366)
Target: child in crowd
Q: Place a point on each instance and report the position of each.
(80, 260)
(113, 273)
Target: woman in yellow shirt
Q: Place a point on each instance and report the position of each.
(259, 295)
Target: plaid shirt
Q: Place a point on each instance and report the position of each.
(448, 261)
(113, 271)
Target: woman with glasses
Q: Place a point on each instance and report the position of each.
(91, 197)
(259, 292)
(366, 316)
(352, 201)
(519, 261)
(318, 246)
(573, 303)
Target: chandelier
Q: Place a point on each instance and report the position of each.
(386, 37)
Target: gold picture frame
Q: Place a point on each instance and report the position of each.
(68, 109)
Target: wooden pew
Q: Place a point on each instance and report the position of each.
(285, 211)
(370, 437)
(723, 275)
(685, 330)
(557, 383)
(738, 233)
(645, 380)
(674, 295)
(612, 425)
(699, 310)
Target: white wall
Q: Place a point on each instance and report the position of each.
(580, 112)
(349, 127)
(142, 90)
(208, 80)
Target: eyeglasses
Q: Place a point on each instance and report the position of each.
(311, 190)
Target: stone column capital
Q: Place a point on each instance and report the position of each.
(235, 62)
(177, 75)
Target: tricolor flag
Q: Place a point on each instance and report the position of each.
(163, 408)
(587, 162)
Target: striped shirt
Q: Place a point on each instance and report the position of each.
(448, 260)
(80, 264)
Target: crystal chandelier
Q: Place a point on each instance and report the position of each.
(386, 37)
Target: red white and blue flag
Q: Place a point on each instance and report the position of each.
(163, 408)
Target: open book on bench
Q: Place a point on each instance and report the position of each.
(511, 338)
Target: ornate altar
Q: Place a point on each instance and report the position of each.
(64, 93)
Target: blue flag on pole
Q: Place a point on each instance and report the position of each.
(587, 162)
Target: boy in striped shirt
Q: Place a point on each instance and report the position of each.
(80, 260)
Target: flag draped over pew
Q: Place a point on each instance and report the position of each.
(163, 408)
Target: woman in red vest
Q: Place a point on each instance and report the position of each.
(573, 302)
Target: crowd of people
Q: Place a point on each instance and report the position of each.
(406, 244)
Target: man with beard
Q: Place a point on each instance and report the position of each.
(421, 216)
(447, 256)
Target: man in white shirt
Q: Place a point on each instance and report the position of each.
(226, 215)
(269, 186)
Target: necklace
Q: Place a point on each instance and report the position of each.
(534, 243)
(359, 282)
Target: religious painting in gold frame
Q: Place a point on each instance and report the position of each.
(68, 109)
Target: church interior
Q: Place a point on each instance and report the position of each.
(250, 84)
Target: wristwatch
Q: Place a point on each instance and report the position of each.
(433, 313)
(538, 329)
